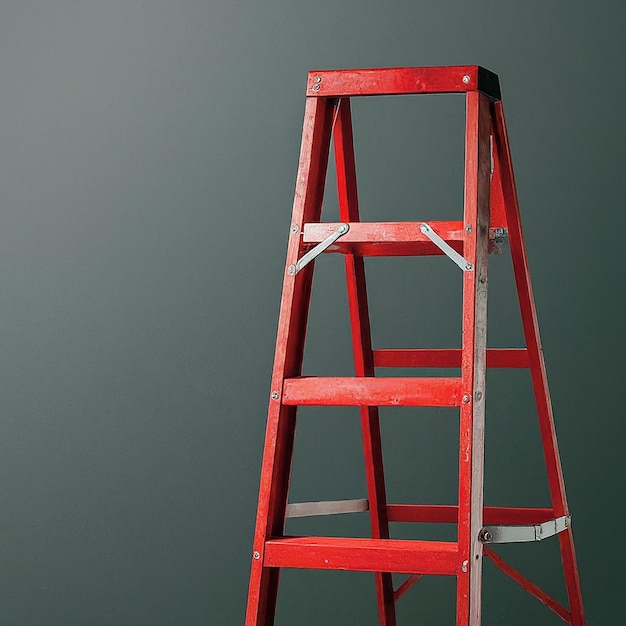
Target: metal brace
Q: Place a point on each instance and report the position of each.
(319, 248)
(520, 534)
(328, 507)
(448, 250)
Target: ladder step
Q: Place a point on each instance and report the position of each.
(364, 555)
(403, 80)
(369, 391)
(391, 238)
(386, 238)
(496, 358)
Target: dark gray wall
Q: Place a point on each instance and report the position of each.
(148, 152)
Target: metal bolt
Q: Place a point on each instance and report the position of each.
(468, 229)
(291, 270)
(466, 399)
(469, 266)
(256, 555)
(318, 79)
(464, 566)
(294, 228)
(466, 79)
(478, 395)
(315, 87)
(485, 536)
(275, 395)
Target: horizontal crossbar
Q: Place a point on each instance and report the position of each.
(385, 238)
(349, 391)
(404, 80)
(371, 239)
(496, 358)
(365, 555)
(448, 514)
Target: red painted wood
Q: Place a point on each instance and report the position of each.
(529, 586)
(448, 514)
(406, 585)
(386, 238)
(371, 239)
(294, 308)
(496, 358)
(508, 191)
(289, 390)
(344, 391)
(345, 168)
(401, 80)
(365, 555)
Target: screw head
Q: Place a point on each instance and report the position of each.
(466, 399)
(466, 79)
(291, 270)
(464, 566)
(256, 555)
(275, 395)
(316, 87)
(294, 228)
(318, 79)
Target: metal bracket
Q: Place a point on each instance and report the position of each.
(328, 507)
(319, 248)
(520, 534)
(448, 250)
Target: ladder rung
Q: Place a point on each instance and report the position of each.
(370, 391)
(392, 238)
(385, 238)
(496, 358)
(448, 514)
(364, 555)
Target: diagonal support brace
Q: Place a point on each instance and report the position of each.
(319, 248)
(448, 250)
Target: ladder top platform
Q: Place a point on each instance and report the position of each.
(403, 80)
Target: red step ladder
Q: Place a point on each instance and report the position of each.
(490, 211)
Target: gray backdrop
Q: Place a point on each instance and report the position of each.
(148, 152)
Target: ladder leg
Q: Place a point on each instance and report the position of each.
(473, 364)
(537, 364)
(363, 356)
(294, 308)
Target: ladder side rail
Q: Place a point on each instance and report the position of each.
(473, 362)
(281, 421)
(363, 355)
(506, 180)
